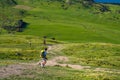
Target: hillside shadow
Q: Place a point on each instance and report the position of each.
(25, 24)
(22, 26)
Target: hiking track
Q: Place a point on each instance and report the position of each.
(17, 69)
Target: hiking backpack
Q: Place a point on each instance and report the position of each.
(42, 54)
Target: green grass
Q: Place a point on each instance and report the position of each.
(73, 24)
(17, 47)
(91, 39)
(94, 54)
(76, 24)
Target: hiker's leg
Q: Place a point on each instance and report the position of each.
(42, 63)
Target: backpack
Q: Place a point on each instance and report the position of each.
(42, 54)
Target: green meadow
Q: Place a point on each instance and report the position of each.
(76, 24)
(94, 54)
(16, 50)
(87, 36)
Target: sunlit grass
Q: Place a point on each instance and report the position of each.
(95, 54)
(73, 24)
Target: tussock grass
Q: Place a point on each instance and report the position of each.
(95, 54)
(22, 47)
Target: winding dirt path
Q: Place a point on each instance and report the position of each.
(17, 69)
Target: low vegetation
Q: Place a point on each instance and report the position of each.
(88, 32)
(20, 47)
(73, 23)
(13, 22)
(94, 54)
(16, 49)
(59, 73)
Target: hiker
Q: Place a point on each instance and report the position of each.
(43, 56)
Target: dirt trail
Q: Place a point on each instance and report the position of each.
(62, 59)
(12, 70)
(18, 68)
(56, 60)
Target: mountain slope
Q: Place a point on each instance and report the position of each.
(80, 21)
(75, 23)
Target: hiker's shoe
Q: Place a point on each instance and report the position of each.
(42, 65)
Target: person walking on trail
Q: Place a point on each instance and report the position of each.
(43, 55)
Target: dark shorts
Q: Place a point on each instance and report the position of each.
(44, 59)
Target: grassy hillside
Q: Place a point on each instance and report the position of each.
(94, 54)
(76, 23)
(10, 17)
(16, 50)
(88, 34)
(21, 47)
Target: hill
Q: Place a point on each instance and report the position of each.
(19, 55)
(10, 17)
(82, 39)
(75, 22)
(72, 20)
